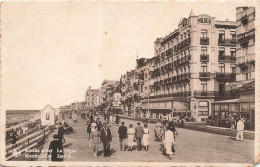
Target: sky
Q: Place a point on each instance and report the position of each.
(53, 51)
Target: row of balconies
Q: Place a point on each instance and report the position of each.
(218, 75)
(169, 80)
(182, 44)
(202, 75)
(246, 36)
(227, 42)
(170, 66)
(244, 60)
(177, 95)
(214, 94)
(221, 42)
(221, 58)
(197, 94)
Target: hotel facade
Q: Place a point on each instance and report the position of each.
(191, 68)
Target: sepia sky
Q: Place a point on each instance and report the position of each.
(52, 51)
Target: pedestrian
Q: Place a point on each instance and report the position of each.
(93, 125)
(55, 149)
(168, 142)
(95, 140)
(60, 132)
(91, 118)
(131, 137)
(114, 119)
(106, 138)
(99, 124)
(158, 131)
(139, 131)
(122, 131)
(117, 120)
(240, 130)
(70, 121)
(232, 124)
(172, 128)
(146, 137)
(88, 129)
(111, 119)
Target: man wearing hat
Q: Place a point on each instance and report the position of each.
(55, 149)
(240, 129)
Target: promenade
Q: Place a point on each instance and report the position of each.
(191, 147)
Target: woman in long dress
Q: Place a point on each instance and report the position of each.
(168, 142)
(158, 131)
(131, 136)
(146, 137)
(95, 140)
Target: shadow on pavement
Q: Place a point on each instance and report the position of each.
(67, 145)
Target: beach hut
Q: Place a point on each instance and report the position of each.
(47, 116)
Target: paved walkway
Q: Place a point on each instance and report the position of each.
(191, 146)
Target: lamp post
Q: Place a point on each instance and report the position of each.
(148, 93)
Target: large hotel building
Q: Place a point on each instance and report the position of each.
(192, 67)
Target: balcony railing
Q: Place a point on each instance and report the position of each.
(204, 40)
(182, 44)
(174, 78)
(224, 95)
(199, 94)
(204, 58)
(226, 76)
(227, 42)
(204, 75)
(224, 58)
(186, 75)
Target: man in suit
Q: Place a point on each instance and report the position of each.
(55, 149)
(139, 131)
(106, 138)
(122, 131)
(60, 132)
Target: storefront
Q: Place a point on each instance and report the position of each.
(247, 108)
(223, 111)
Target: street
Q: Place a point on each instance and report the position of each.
(191, 146)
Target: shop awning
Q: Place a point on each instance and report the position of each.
(179, 107)
(163, 110)
(227, 101)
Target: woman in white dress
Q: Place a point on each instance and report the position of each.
(131, 136)
(146, 137)
(168, 142)
(111, 119)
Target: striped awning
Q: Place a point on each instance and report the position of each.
(179, 107)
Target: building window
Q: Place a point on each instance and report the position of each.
(221, 36)
(222, 68)
(47, 116)
(204, 34)
(204, 86)
(233, 69)
(204, 50)
(203, 108)
(203, 67)
(221, 51)
(233, 35)
(232, 52)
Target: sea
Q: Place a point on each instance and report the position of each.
(16, 118)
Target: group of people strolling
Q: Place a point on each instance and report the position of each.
(135, 136)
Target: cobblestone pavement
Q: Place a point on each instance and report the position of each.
(191, 146)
